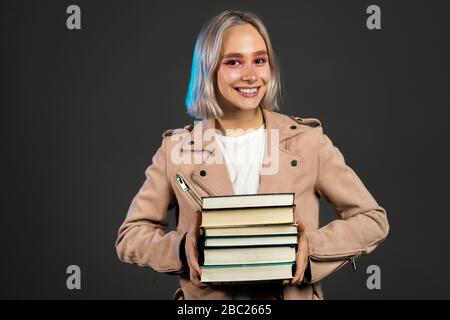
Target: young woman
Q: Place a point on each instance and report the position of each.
(242, 146)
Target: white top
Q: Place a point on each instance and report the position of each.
(243, 155)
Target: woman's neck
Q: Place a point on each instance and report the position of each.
(239, 119)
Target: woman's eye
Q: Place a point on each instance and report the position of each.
(236, 62)
(231, 62)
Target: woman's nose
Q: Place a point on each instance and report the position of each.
(249, 74)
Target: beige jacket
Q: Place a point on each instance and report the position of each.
(301, 159)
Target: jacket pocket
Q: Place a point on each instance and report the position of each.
(192, 195)
(336, 264)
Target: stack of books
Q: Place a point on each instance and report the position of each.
(248, 238)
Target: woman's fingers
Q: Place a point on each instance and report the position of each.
(298, 278)
(192, 258)
(195, 279)
(300, 226)
(192, 251)
(195, 265)
(300, 268)
(285, 282)
(301, 257)
(195, 271)
(192, 255)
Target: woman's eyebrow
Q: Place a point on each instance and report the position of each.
(239, 55)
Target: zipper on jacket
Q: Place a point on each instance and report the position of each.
(334, 258)
(343, 263)
(187, 189)
(346, 259)
(202, 185)
(352, 259)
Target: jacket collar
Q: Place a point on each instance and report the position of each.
(286, 127)
(279, 176)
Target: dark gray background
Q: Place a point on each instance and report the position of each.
(82, 114)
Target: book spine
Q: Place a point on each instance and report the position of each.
(216, 266)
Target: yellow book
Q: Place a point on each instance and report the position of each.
(247, 216)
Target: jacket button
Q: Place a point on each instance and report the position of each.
(293, 127)
(202, 173)
(191, 142)
(294, 163)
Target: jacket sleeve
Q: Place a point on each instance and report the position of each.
(141, 237)
(362, 225)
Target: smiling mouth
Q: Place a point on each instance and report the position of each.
(248, 92)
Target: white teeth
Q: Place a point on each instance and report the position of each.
(249, 91)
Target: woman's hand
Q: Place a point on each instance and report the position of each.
(191, 249)
(302, 255)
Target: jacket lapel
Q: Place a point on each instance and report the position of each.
(210, 172)
(280, 167)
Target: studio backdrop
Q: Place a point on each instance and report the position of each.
(88, 88)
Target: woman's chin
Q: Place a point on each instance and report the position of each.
(247, 106)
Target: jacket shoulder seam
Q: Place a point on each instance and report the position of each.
(170, 132)
(310, 122)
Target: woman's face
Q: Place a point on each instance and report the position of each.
(243, 72)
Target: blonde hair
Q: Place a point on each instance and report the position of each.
(201, 96)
